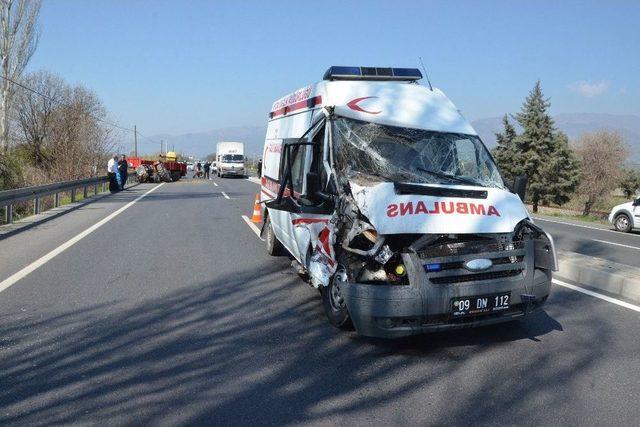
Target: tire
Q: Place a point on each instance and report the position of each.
(334, 305)
(274, 247)
(622, 222)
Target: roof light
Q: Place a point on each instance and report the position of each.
(372, 73)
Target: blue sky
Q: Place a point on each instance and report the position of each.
(187, 66)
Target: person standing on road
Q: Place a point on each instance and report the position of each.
(123, 169)
(198, 170)
(112, 170)
(207, 168)
(260, 168)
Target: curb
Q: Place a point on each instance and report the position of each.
(598, 273)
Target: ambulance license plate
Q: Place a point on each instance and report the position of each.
(473, 306)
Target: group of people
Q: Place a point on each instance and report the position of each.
(202, 171)
(117, 170)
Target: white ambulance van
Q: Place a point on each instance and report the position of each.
(395, 209)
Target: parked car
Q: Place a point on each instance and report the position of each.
(626, 216)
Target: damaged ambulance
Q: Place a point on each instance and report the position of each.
(395, 210)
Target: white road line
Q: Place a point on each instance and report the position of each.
(252, 226)
(597, 295)
(6, 283)
(537, 218)
(225, 195)
(254, 180)
(215, 183)
(617, 244)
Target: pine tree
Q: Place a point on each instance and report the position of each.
(543, 155)
(505, 153)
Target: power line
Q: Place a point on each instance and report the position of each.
(99, 119)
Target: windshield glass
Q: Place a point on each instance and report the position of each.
(232, 158)
(415, 155)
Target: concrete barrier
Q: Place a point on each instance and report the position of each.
(611, 277)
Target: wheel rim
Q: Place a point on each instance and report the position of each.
(622, 222)
(335, 296)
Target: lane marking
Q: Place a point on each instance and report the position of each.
(597, 295)
(537, 218)
(225, 195)
(617, 244)
(252, 226)
(215, 183)
(6, 283)
(254, 180)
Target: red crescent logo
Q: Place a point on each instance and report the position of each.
(354, 105)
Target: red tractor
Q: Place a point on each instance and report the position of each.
(168, 169)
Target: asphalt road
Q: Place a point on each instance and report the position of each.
(594, 240)
(172, 313)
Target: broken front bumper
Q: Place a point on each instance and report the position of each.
(425, 305)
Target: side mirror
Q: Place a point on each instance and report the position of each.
(636, 202)
(520, 186)
(313, 186)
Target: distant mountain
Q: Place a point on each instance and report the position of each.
(575, 125)
(200, 144)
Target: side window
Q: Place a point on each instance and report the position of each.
(298, 155)
(317, 164)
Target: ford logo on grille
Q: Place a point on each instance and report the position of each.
(479, 264)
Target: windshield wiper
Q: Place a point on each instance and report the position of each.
(451, 177)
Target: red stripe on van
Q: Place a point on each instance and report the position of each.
(307, 103)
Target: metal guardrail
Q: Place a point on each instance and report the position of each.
(9, 197)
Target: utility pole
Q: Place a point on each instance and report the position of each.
(135, 140)
(161, 146)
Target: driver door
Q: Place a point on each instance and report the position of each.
(309, 208)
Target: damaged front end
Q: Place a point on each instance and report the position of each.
(405, 284)
(443, 272)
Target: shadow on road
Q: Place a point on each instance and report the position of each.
(255, 348)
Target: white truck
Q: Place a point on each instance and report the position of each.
(390, 202)
(230, 159)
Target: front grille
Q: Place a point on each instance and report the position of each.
(474, 277)
(508, 259)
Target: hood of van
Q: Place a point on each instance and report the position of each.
(392, 213)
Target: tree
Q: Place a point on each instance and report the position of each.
(630, 182)
(79, 140)
(542, 153)
(18, 42)
(560, 173)
(35, 113)
(602, 155)
(505, 152)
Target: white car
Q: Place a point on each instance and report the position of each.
(626, 216)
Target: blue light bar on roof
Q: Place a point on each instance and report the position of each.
(372, 73)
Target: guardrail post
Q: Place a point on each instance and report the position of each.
(36, 206)
(73, 195)
(84, 192)
(56, 200)
(8, 214)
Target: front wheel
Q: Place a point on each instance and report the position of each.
(622, 223)
(333, 302)
(274, 247)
